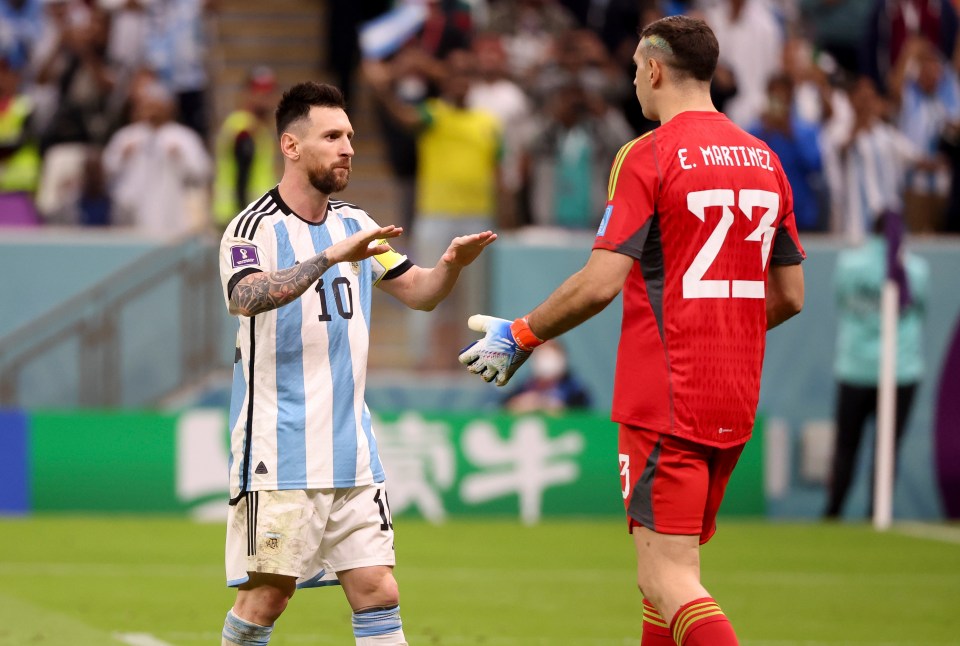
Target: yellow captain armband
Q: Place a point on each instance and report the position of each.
(386, 261)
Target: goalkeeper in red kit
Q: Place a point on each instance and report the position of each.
(699, 235)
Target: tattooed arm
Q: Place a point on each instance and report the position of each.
(265, 291)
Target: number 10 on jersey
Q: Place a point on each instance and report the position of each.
(342, 297)
(694, 285)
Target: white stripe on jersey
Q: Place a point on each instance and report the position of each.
(310, 426)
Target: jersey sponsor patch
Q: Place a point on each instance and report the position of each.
(243, 255)
(605, 220)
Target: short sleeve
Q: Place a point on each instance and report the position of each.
(786, 242)
(244, 252)
(631, 198)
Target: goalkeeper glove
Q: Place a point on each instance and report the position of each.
(501, 351)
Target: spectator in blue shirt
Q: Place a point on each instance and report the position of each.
(20, 25)
(797, 143)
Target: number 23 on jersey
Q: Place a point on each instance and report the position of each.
(694, 283)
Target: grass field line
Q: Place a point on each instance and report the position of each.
(766, 577)
(206, 571)
(22, 622)
(929, 531)
(140, 639)
(210, 637)
(488, 640)
(427, 638)
(122, 570)
(751, 577)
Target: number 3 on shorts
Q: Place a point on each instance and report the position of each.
(625, 474)
(383, 503)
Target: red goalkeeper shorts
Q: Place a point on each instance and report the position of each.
(672, 485)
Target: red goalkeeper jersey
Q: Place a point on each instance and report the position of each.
(704, 209)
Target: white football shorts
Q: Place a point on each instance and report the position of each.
(309, 534)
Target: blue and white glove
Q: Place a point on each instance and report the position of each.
(503, 349)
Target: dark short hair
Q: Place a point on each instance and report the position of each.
(688, 45)
(296, 102)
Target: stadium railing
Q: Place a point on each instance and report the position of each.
(142, 333)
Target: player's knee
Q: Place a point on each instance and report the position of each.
(386, 592)
(275, 604)
(370, 587)
(264, 604)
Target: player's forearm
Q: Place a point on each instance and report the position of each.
(431, 286)
(574, 302)
(780, 311)
(785, 292)
(265, 291)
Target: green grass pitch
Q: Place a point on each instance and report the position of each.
(82, 581)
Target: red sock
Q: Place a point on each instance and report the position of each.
(702, 623)
(656, 632)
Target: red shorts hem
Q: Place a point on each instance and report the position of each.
(673, 485)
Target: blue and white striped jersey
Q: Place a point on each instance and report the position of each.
(297, 414)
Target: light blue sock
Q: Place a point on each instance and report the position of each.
(378, 623)
(243, 633)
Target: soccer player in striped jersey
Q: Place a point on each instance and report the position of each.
(699, 234)
(308, 502)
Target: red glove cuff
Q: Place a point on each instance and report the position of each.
(524, 336)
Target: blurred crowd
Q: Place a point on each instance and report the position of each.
(104, 113)
(494, 113)
(858, 98)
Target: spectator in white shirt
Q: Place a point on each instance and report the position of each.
(874, 156)
(158, 169)
(751, 44)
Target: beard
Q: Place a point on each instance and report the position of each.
(327, 180)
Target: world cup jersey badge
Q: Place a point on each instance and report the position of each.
(244, 254)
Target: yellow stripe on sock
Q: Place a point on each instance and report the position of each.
(691, 615)
(656, 621)
(651, 615)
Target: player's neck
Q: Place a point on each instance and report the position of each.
(685, 102)
(306, 201)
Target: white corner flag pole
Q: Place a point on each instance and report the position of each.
(886, 407)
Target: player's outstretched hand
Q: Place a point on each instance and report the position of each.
(463, 250)
(498, 354)
(363, 244)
